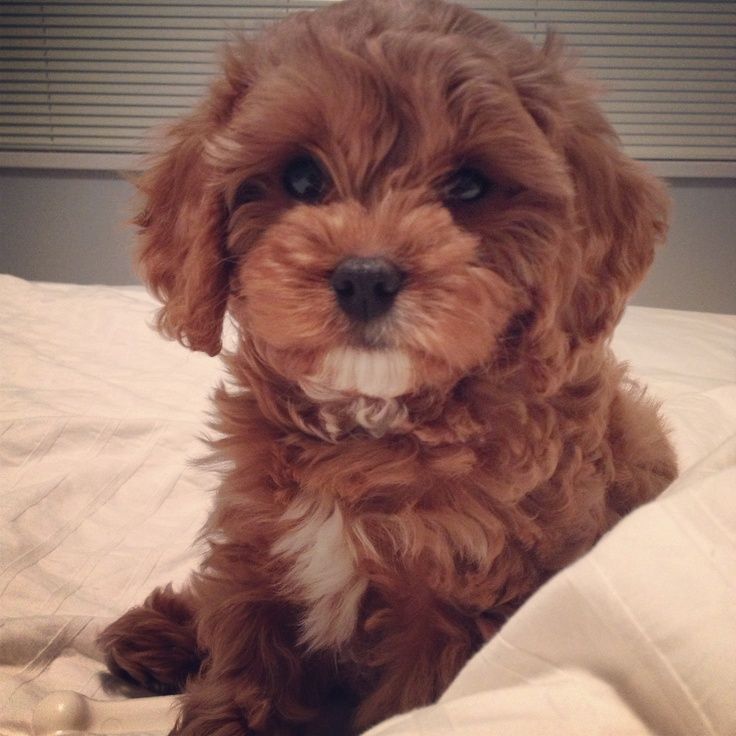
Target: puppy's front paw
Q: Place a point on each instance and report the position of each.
(153, 645)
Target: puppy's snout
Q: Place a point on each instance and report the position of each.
(366, 287)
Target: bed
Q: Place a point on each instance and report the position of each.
(101, 419)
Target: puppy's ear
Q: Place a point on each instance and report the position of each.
(182, 237)
(622, 214)
(621, 210)
(181, 244)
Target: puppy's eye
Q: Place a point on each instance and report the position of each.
(465, 185)
(304, 180)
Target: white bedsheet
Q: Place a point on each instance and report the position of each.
(99, 418)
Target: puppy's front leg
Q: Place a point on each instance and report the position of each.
(643, 460)
(254, 680)
(420, 650)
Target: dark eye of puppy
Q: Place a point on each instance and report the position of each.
(465, 185)
(305, 181)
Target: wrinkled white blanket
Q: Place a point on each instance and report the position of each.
(99, 420)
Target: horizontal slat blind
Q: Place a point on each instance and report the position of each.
(94, 77)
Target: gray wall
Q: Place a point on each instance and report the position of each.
(66, 226)
(697, 269)
(71, 226)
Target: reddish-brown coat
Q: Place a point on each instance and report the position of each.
(519, 443)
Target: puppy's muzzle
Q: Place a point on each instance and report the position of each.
(366, 287)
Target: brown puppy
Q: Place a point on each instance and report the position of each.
(425, 232)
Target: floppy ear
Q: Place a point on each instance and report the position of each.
(618, 216)
(182, 238)
(622, 214)
(181, 247)
(621, 210)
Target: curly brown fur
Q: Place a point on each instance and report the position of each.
(155, 644)
(394, 487)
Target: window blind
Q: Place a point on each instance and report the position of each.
(86, 80)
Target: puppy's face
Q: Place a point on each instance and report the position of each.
(388, 208)
(403, 219)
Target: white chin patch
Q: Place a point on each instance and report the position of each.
(381, 374)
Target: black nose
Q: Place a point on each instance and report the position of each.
(366, 287)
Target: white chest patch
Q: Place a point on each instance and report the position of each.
(322, 574)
